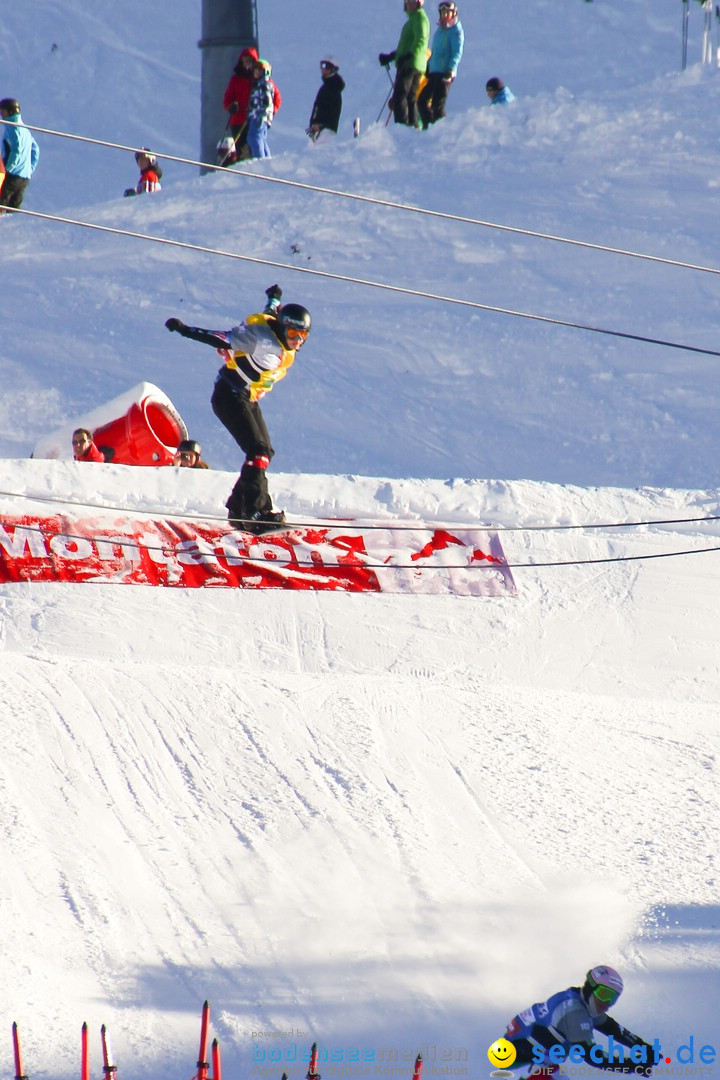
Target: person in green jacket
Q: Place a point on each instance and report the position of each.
(410, 58)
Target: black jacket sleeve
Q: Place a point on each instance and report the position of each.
(206, 337)
(621, 1034)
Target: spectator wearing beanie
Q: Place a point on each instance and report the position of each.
(326, 110)
(498, 92)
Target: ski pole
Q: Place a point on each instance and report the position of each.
(392, 87)
(686, 12)
(383, 106)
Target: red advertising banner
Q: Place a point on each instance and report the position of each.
(189, 554)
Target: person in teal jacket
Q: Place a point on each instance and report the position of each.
(447, 49)
(498, 92)
(20, 155)
(410, 58)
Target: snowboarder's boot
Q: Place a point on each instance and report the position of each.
(265, 521)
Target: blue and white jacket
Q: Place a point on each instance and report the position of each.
(260, 106)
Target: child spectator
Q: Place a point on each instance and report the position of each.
(498, 92)
(84, 448)
(326, 110)
(150, 174)
(260, 111)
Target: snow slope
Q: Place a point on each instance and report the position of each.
(383, 822)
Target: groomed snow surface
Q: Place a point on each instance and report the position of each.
(384, 823)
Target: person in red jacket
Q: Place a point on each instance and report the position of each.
(84, 449)
(150, 173)
(235, 101)
(237, 96)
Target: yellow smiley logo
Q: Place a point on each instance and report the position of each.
(502, 1054)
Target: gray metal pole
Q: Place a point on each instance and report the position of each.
(228, 27)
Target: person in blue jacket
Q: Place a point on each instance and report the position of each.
(447, 49)
(20, 155)
(498, 92)
(568, 1020)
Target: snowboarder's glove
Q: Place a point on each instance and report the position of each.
(274, 292)
(129, 191)
(174, 325)
(234, 107)
(448, 77)
(386, 58)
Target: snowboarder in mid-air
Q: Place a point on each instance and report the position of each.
(568, 1018)
(257, 354)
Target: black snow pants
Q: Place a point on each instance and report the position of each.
(245, 422)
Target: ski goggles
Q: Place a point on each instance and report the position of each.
(295, 338)
(605, 995)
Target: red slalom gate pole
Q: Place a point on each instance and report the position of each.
(19, 1071)
(417, 1074)
(216, 1066)
(312, 1067)
(202, 1064)
(84, 1056)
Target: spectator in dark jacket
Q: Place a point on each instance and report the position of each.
(20, 155)
(325, 116)
(84, 448)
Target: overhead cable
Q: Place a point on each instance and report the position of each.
(408, 207)
(475, 305)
